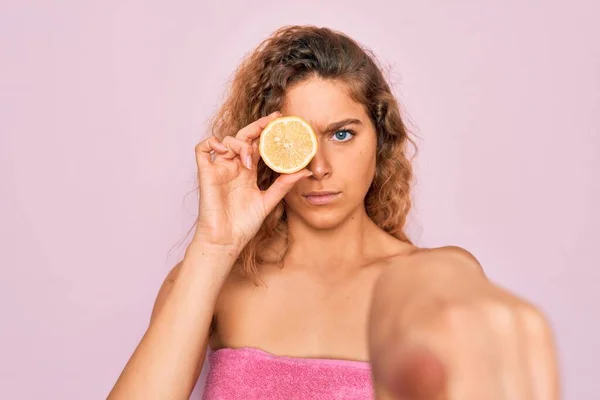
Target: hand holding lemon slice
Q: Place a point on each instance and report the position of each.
(287, 144)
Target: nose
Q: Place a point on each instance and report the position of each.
(320, 165)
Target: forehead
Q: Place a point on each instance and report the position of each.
(321, 102)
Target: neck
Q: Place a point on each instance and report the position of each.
(349, 244)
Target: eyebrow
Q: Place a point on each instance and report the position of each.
(334, 126)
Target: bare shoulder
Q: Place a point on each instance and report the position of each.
(446, 256)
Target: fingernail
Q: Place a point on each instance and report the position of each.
(248, 162)
(308, 173)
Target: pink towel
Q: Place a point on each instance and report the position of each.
(249, 374)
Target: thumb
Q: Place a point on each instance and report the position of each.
(282, 185)
(412, 373)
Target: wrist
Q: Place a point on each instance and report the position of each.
(217, 243)
(216, 257)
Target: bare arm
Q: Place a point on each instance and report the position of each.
(168, 360)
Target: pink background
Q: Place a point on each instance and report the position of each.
(101, 104)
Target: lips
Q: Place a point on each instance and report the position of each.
(321, 198)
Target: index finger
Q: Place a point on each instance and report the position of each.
(253, 131)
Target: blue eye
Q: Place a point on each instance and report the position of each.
(343, 136)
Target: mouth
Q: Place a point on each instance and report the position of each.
(321, 198)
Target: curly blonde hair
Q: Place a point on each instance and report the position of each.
(296, 53)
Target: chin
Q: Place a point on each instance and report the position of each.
(323, 218)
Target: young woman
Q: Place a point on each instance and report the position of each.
(306, 286)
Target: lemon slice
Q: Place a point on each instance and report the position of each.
(287, 144)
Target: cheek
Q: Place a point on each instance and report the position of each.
(368, 160)
(360, 170)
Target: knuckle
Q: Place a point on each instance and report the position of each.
(240, 132)
(456, 316)
(460, 316)
(500, 316)
(533, 321)
(230, 142)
